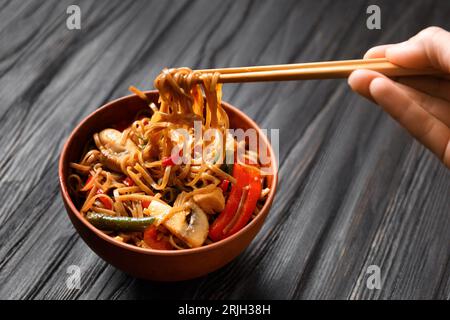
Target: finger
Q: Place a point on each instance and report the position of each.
(377, 52)
(437, 107)
(360, 80)
(429, 48)
(436, 87)
(434, 134)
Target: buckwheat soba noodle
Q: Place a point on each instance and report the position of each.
(158, 184)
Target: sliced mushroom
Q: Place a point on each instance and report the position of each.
(189, 226)
(211, 202)
(108, 141)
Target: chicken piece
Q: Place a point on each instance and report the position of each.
(113, 152)
(211, 202)
(189, 226)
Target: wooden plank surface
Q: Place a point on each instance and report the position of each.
(355, 190)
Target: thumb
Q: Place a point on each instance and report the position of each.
(429, 48)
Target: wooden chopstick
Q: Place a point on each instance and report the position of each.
(314, 70)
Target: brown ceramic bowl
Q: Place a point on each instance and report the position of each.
(162, 265)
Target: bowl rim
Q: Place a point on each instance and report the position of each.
(67, 199)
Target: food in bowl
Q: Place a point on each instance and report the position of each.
(176, 177)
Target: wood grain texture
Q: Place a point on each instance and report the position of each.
(354, 190)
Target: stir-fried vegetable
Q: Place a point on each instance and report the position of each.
(145, 203)
(216, 231)
(88, 184)
(190, 225)
(113, 223)
(168, 162)
(245, 212)
(240, 205)
(106, 203)
(128, 182)
(154, 241)
(224, 185)
(113, 151)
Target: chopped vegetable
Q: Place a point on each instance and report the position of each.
(249, 205)
(128, 182)
(168, 162)
(240, 205)
(114, 223)
(224, 185)
(88, 184)
(153, 241)
(145, 203)
(225, 217)
(190, 225)
(172, 160)
(106, 203)
(113, 149)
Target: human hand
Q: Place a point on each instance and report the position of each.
(421, 104)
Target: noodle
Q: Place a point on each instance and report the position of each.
(133, 172)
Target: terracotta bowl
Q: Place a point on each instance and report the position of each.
(161, 265)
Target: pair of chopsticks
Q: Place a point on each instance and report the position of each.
(314, 70)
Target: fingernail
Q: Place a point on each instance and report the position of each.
(377, 89)
(351, 78)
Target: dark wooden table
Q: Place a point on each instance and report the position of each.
(355, 189)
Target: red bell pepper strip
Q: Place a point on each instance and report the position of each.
(172, 160)
(128, 182)
(151, 239)
(88, 184)
(145, 204)
(253, 195)
(106, 203)
(224, 185)
(227, 222)
(167, 162)
(225, 217)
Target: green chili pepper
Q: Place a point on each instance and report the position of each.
(112, 223)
